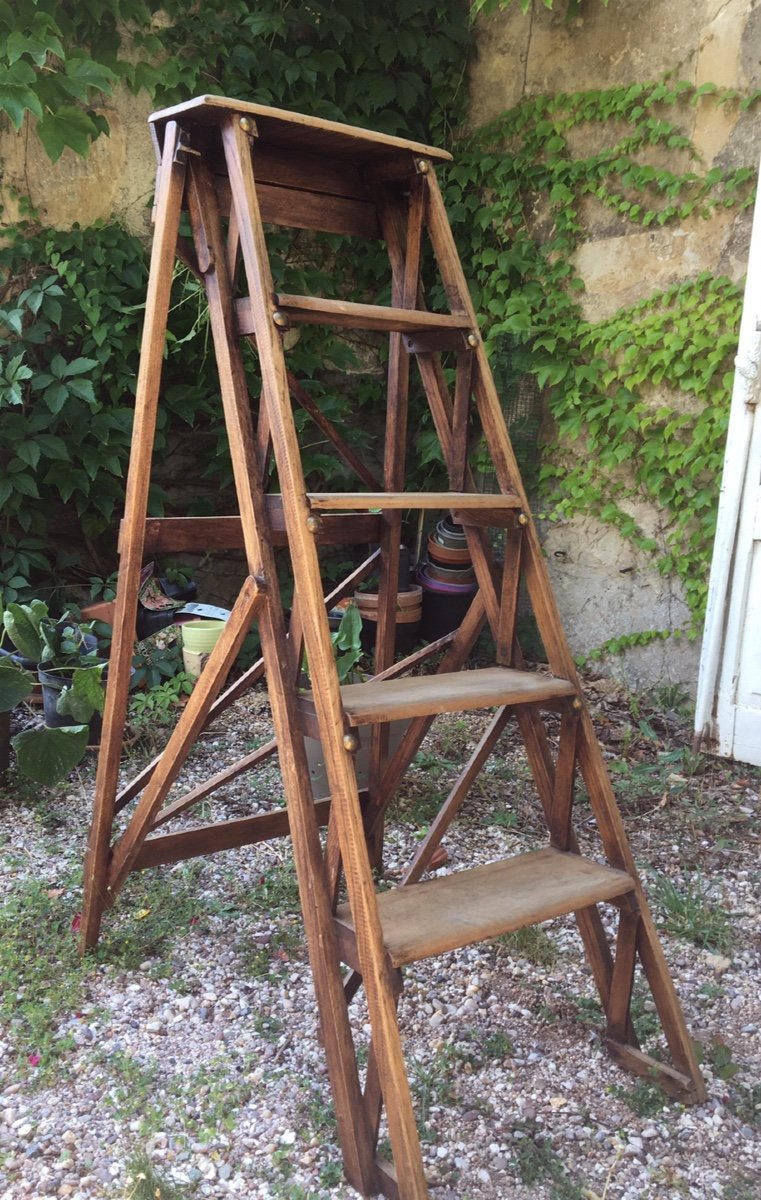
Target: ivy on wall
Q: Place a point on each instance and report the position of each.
(639, 402)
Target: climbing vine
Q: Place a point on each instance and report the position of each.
(639, 401)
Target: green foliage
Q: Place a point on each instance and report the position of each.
(59, 61)
(639, 401)
(71, 305)
(644, 1098)
(347, 646)
(15, 685)
(84, 696)
(396, 65)
(22, 623)
(159, 706)
(145, 1182)
(41, 977)
(49, 755)
(689, 913)
(60, 645)
(491, 6)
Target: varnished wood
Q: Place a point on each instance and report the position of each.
(619, 1003)
(344, 449)
(295, 131)
(345, 799)
(344, 314)
(509, 595)
(445, 913)
(171, 180)
(487, 518)
(413, 500)
(172, 535)
(196, 794)
(251, 164)
(562, 798)
(184, 734)
(426, 695)
(220, 835)
(685, 1087)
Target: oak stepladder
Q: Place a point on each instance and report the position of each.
(233, 167)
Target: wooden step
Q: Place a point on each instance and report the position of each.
(424, 919)
(314, 310)
(377, 701)
(461, 501)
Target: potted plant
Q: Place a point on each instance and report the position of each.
(71, 675)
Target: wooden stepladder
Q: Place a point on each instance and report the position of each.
(231, 166)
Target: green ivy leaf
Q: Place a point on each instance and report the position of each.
(67, 127)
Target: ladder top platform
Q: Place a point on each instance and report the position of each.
(291, 131)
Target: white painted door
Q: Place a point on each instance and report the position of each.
(728, 710)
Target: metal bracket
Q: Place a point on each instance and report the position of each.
(184, 147)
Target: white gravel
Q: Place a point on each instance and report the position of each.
(204, 1055)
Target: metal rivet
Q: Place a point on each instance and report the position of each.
(472, 339)
(351, 742)
(314, 524)
(522, 519)
(279, 318)
(247, 125)
(423, 166)
(576, 704)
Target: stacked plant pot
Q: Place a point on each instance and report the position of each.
(448, 580)
(409, 601)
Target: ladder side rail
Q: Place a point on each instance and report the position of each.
(340, 770)
(355, 1140)
(171, 181)
(400, 225)
(535, 572)
(606, 811)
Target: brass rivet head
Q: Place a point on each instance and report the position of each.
(522, 519)
(351, 742)
(576, 704)
(279, 318)
(314, 524)
(247, 125)
(472, 340)
(423, 166)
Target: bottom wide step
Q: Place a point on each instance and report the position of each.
(424, 919)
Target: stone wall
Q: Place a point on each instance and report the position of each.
(605, 588)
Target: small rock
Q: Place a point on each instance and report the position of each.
(719, 963)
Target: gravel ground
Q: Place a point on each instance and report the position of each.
(186, 1051)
